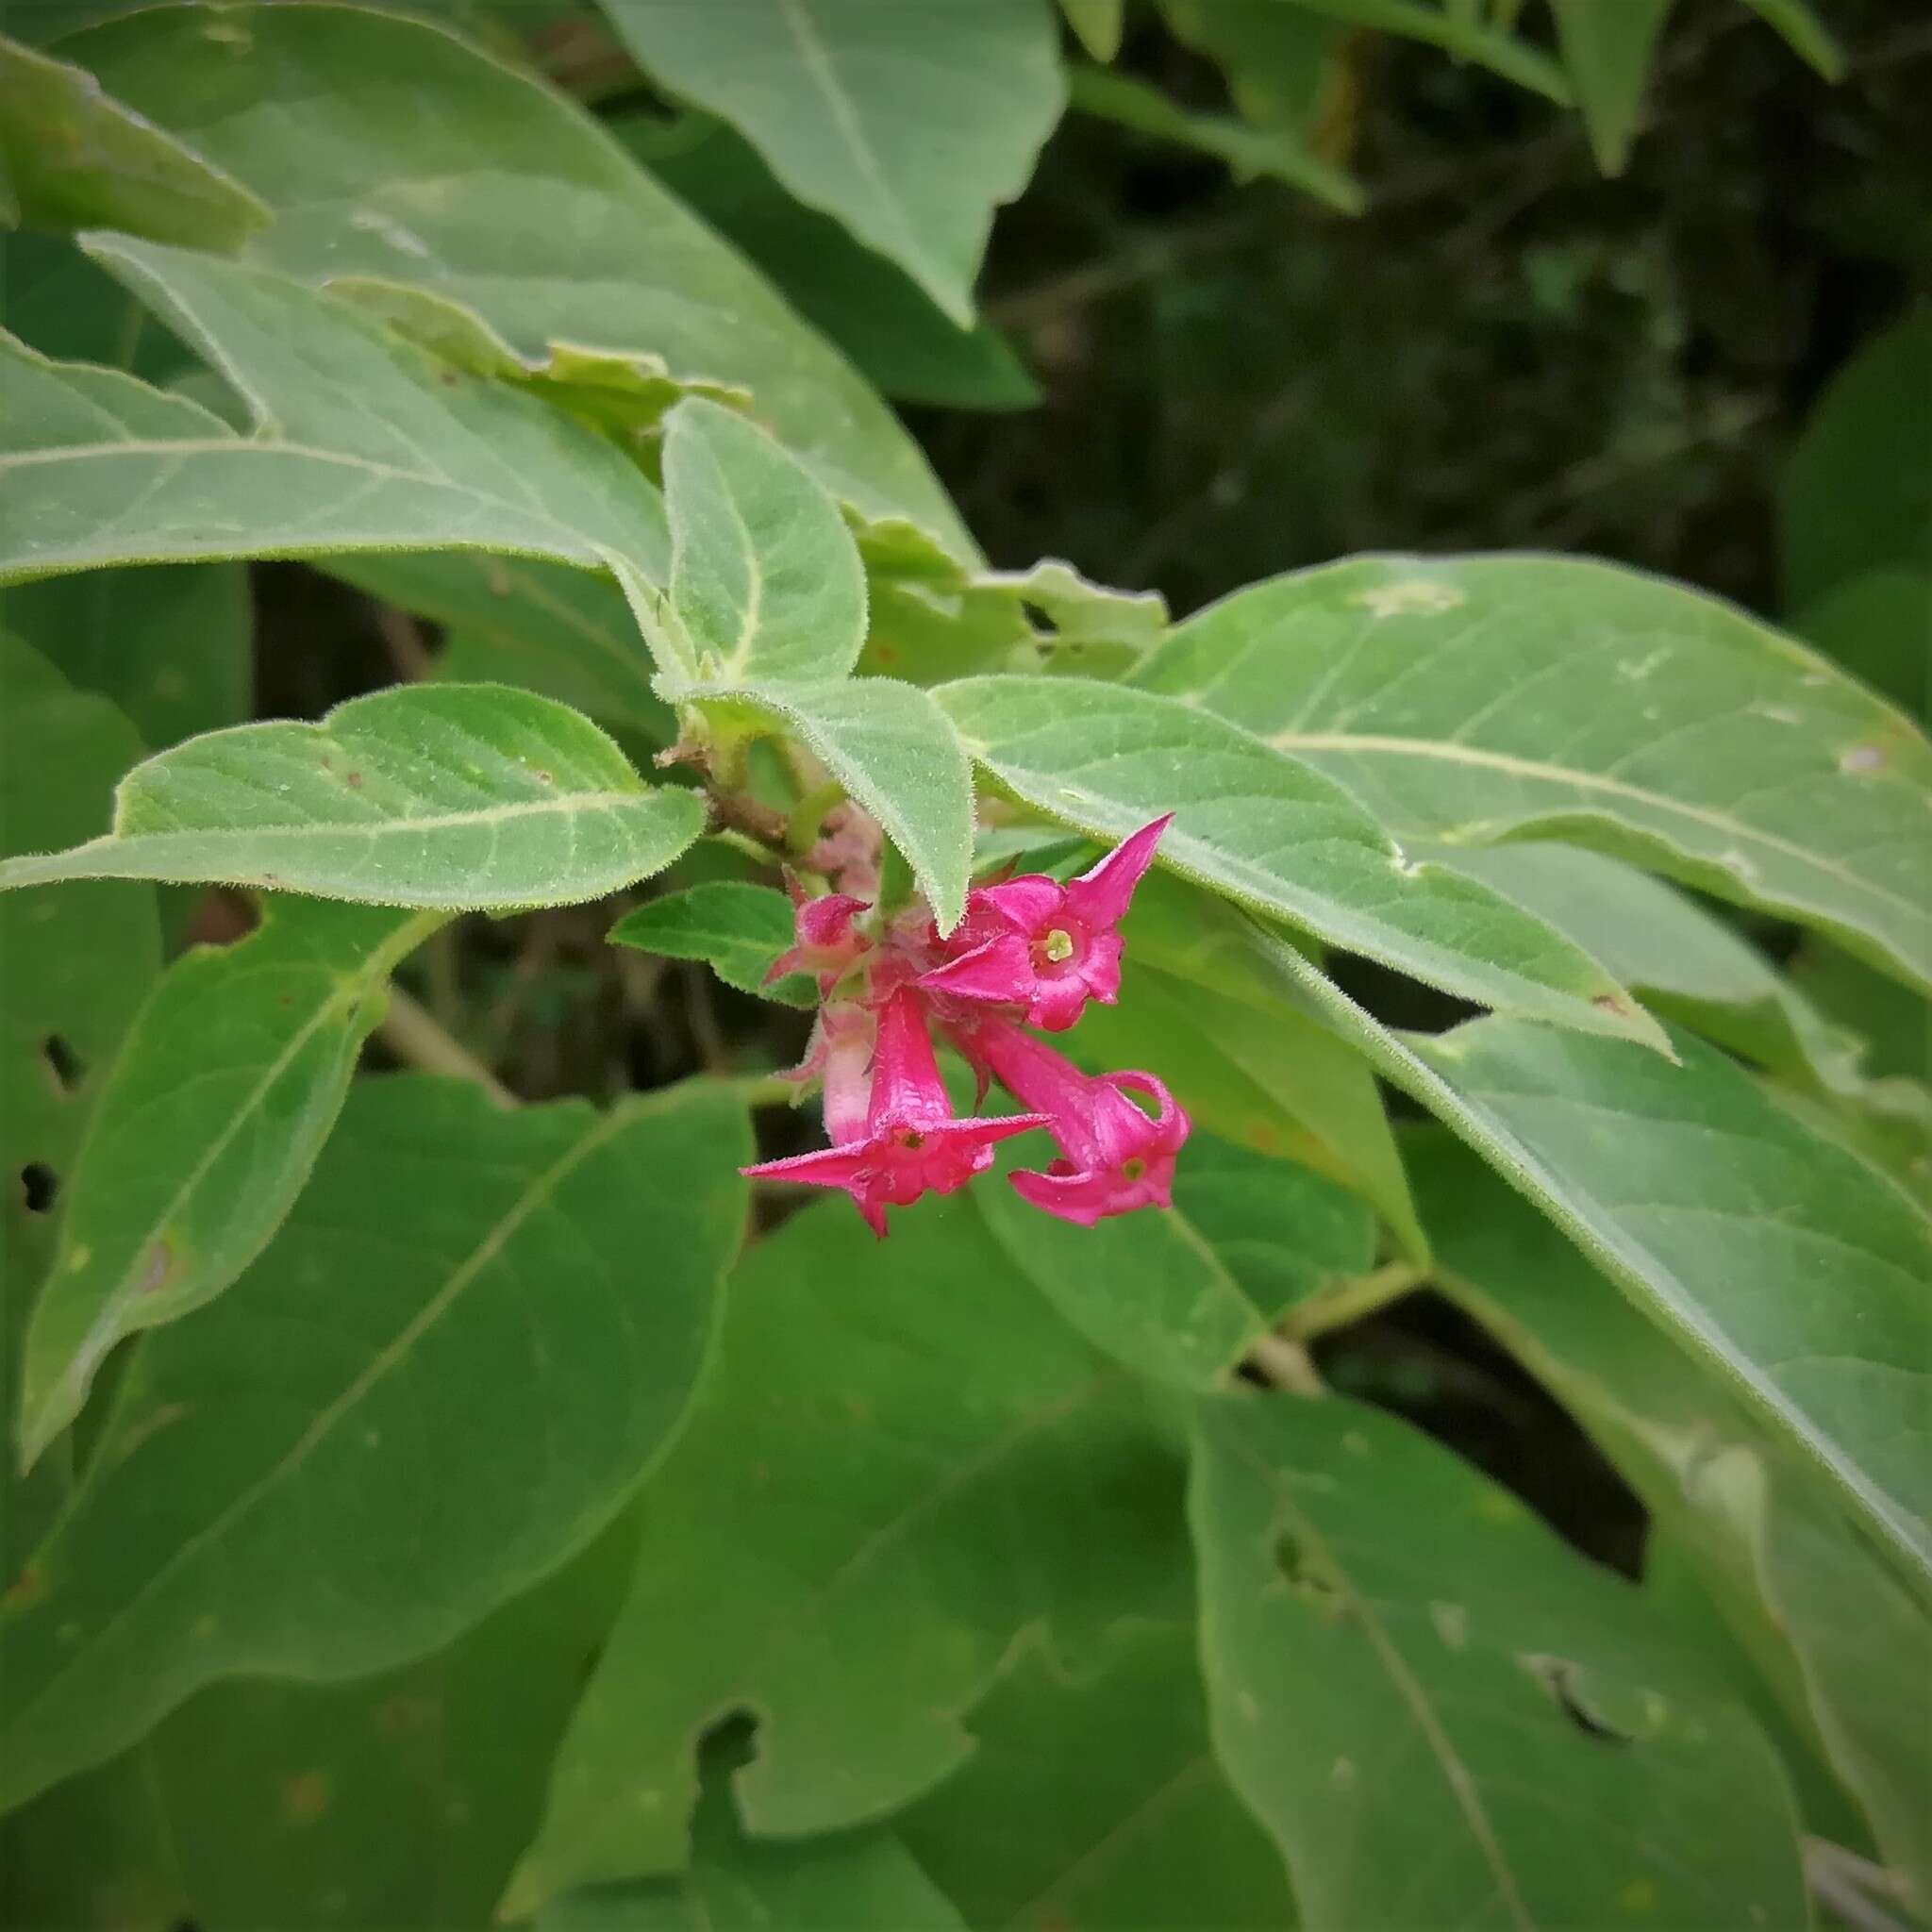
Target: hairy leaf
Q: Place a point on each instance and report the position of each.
(1443, 1714)
(766, 585)
(897, 752)
(389, 147)
(206, 1128)
(1278, 837)
(736, 928)
(72, 156)
(357, 1452)
(815, 1551)
(425, 795)
(363, 441)
(1838, 1634)
(910, 124)
(1468, 701)
(1779, 1256)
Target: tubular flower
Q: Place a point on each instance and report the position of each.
(1115, 1157)
(1044, 947)
(911, 1145)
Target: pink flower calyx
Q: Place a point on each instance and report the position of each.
(1115, 1157)
(1046, 948)
(910, 1142)
(825, 942)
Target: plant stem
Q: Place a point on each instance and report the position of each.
(1286, 1364)
(411, 1033)
(1349, 1301)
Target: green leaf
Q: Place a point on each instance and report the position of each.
(897, 752)
(1783, 1259)
(206, 1128)
(1443, 1714)
(389, 148)
(1201, 1014)
(1804, 32)
(735, 929)
(109, 471)
(1664, 1183)
(910, 127)
(1846, 1643)
(1500, 52)
(1096, 24)
(1275, 835)
(1469, 701)
(1683, 962)
(1093, 1801)
(766, 585)
(171, 647)
(1281, 62)
(427, 795)
(864, 1882)
(875, 312)
(75, 158)
(453, 1280)
(1249, 152)
(1607, 55)
(543, 627)
(395, 1801)
(1856, 492)
(815, 1551)
(1875, 626)
(77, 964)
(1181, 1296)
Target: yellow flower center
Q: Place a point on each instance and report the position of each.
(1057, 946)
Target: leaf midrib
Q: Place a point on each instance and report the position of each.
(1447, 751)
(343, 991)
(535, 1194)
(1408, 1686)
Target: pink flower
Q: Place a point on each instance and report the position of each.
(823, 942)
(839, 1054)
(1117, 1157)
(911, 1145)
(1048, 948)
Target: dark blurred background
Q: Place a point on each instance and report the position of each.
(1508, 350)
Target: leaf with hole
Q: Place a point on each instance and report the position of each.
(1843, 1640)
(354, 1455)
(1147, 1834)
(1278, 837)
(792, 1569)
(1437, 1708)
(1468, 701)
(434, 796)
(207, 1126)
(78, 962)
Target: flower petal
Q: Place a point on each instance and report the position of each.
(1101, 896)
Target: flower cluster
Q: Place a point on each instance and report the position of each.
(1030, 952)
